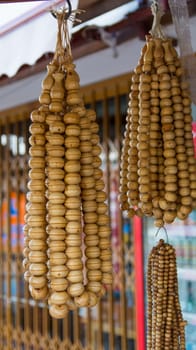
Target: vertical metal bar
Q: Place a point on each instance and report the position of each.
(65, 328)
(139, 283)
(35, 325)
(45, 323)
(106, 118)
(18, 249)
(100, 326)
(120, 231)
(75, 324)
(88, 329)
(27, 312)
(8, 243)
(1, 233)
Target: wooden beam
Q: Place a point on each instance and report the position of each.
(97, 8)
(9, 1)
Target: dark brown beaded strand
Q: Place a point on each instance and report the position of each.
(165, 323)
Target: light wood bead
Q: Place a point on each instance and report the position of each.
(107, 278)
(72, 166)
(72, 142)
(91, 194)
(58, 271)
(74, 252)
(89, 206)
(59, 284)
(74, 264)
(52, 117)
(76, 289)
(37, 140)
(56, 258)
(58, 298)
(55, 209)
(56, 221)
(73, 202)
(37, 128)
(55, 233)
(37, 269)
(73, 227)
(92, 252)
(72, 179)
(91, 240)
(73, 240)
(90, 229)
(55, 150)
(92, 299)
(73, 214)
(106, 266)
(36, 162)
(57, 127)
(54, 139)
(37, 233)
(36, 221)
(37, 116)
(38, 293)
(58, 311)
(90, 217)
(73, 154)
(75, 276)
(37, 174)
(38, 282)
(94, 286)
(55, 162)
(37, 151)
(56, 246)
(37, 244)
(82, 300)
(93, 264)
(72, 130)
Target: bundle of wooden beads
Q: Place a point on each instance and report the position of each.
(165, 322)
(158, 168)
(67, 232)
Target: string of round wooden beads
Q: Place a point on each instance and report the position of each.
(165, 322)
(124, 167)
(166, 168)
(132, 125)
(104, 276)
(67, 234)
(35, 217)
(159, 118)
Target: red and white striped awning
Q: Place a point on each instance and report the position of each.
(27, 31)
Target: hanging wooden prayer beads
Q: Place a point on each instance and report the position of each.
(158, 173)
(165, 322)
(67, 232)
(158, 167)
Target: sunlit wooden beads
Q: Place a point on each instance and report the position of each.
(47, 84)
(167, 104)
(123, 171)
(132, 118)
(57, 92)
(103, 223)
(73, 214)
(143, 148)
(74, 96)
(58, 311)
(36, 205)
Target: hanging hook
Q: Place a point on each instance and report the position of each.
(67, 13)
(165, 231)
(69, 9)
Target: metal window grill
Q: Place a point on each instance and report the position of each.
(24, 323)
